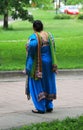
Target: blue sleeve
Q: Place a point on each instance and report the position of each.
(32, 49)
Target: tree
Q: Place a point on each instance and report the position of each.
(65, 1)
(17, 8)
(40, 3)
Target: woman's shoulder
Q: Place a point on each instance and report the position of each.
(32, 36)
(33, 40)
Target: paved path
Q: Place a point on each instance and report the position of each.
(15, 109)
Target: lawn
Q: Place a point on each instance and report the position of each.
(66, 124)
(68, 36)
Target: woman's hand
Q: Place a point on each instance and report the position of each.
(55, 69)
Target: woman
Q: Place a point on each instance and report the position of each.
(41, 69)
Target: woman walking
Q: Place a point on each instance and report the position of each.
(41, 69)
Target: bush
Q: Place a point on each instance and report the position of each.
(45, 6)
(62, 16)
(80, 16)
(66, 124)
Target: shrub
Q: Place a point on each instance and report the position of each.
(62, 16)
(80, 16)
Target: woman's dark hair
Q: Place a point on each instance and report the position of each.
(38, 25)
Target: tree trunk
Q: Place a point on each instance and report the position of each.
(5, 24)
(65, 2)
(59, 3)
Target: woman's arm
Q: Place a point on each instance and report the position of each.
(32, 48)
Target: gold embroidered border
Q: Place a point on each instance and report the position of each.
(43, 95)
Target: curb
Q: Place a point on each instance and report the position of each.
(71, 72)
(4, 74)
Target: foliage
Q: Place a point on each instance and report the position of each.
(62, 16)
(43, 4)
(9, 4)
(66, 124)
(18, 9)
(80, 16)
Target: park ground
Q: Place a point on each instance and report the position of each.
(68, 35)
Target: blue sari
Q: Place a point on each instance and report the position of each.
(42, 90)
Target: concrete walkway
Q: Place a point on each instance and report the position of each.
(15, 109)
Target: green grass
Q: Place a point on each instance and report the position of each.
(66, 124)
(1, 17)
(70, 53)
(13, 56)
(68, 35)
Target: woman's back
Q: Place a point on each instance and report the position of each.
(44, 36)
(45, 48)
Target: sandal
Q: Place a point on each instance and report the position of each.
(38, 111)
